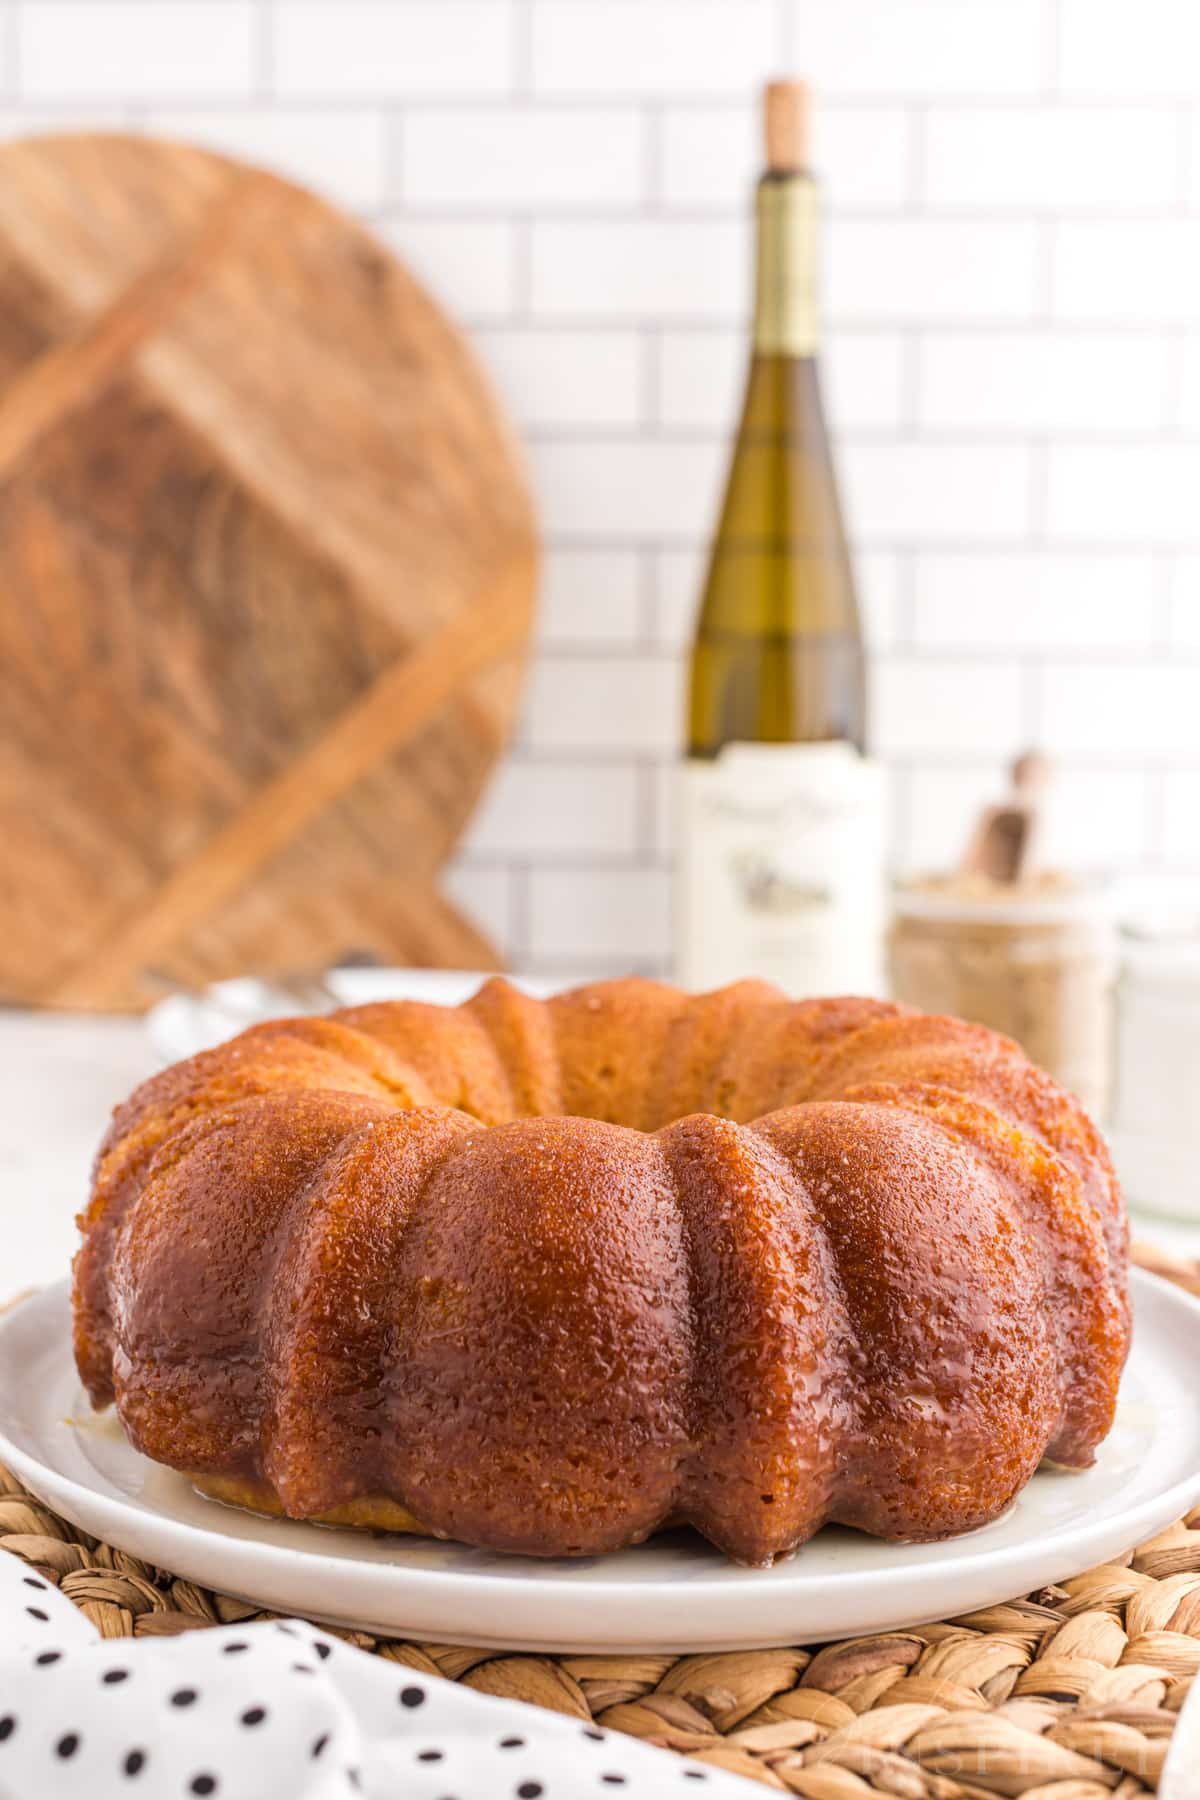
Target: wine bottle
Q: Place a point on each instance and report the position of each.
(781, 865)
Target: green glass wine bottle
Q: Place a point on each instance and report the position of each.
(781, 855)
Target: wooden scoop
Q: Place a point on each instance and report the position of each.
(1003, 844)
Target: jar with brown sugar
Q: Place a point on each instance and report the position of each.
(1034, 959)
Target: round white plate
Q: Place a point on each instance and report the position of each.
(674, 1593)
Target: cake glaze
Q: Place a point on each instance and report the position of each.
(546, 1276)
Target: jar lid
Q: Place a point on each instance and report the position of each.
(1050, 898)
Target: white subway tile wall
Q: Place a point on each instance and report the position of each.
(180, 49)
(381, 49)
(1052, 381)
(1012, 292)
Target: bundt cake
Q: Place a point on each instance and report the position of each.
(547, 1276)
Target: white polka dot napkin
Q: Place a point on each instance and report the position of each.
(286, 1711)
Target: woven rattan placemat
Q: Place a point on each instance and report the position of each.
(1069, 1693)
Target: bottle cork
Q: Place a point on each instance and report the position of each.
(785, 124)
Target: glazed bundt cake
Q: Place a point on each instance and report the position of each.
(547, 1276)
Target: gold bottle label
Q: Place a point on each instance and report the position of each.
(785, 315)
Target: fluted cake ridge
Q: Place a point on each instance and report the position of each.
(546, 1276)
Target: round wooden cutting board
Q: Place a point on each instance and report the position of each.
(267, 562)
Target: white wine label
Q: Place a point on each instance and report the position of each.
(782, 869)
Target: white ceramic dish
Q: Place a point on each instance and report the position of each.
(674, 1593)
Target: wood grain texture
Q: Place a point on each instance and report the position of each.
(268, 562)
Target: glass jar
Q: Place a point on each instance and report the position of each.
(1035, 960)
(1156, 1111)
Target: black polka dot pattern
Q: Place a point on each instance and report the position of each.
(192, 1715)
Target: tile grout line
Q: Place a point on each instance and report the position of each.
(394, 153)
(262, 51)
(1052, 33)
(522, 50)
(918, 159)
(785, 37)
(1154, 829)
(652, 160)
(1039, 493)
(647, 601)
(1165, 600)
(647, 835)
(13, 48)
(522, 311)
(520, 909)
(908, 570)
(1033, 701)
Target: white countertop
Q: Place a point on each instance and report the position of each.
(61, 1076)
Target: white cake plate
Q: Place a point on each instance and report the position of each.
(672, 1594)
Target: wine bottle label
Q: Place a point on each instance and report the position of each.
(782, 869)
(785, 307)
